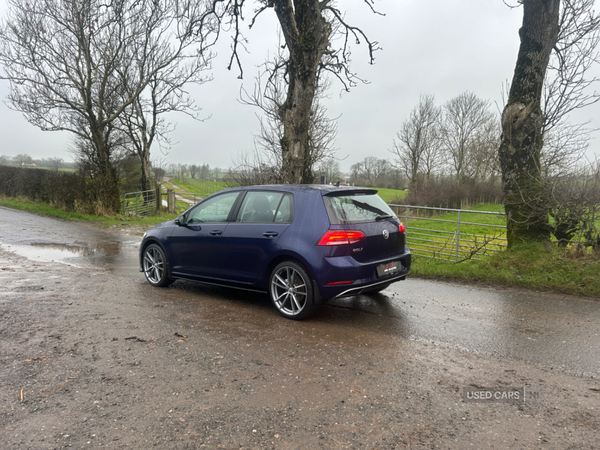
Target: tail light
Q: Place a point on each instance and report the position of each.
(402, 228)
(341, 237)
(340, 283)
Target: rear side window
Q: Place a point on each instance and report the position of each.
(266, 207)
(356, 208)
(285, 210)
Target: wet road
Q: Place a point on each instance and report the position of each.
(45, 240)
(548, 330)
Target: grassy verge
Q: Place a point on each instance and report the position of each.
(102, 221)
(535, 266)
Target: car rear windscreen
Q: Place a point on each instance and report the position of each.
(356, 208)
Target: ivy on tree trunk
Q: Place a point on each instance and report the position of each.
(522, 119)
(306, 34)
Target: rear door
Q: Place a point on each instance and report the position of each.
(251, 239)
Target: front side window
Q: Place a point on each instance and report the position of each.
(213, 210)
(356, 208)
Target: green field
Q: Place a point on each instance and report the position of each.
(201, 188)
(391, 195)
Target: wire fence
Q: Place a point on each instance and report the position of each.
(452, 234)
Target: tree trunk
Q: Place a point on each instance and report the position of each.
(110, 198)
(522, 119)
(145, 166)
(306, 34)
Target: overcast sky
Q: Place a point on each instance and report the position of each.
(439, 47)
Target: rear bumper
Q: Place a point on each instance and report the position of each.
(364, 275)
(357, 290)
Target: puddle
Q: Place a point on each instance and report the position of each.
(107, 254)
(50, 252)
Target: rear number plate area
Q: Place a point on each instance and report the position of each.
(389, 268)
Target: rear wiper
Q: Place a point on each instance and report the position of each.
(383, 217)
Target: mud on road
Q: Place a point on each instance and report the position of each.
(96, 358)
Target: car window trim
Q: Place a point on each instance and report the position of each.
(236, 206)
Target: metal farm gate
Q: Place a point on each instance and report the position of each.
(141, 203)
(452, 234)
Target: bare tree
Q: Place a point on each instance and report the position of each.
(371, 171)
(66, 61)
(194, 170)
(575, 200)
(418, 140)
(308, 27)
(172, 170)
(159, 173)
(567, 85)
(205, 172)
(182, 169)
(355, 172)
(253, 170)
(330, 168)
(270, 97)
(144, 119)
(484, 164)
(564, 148)
(466, 120)
(22, 159)
(53, 163)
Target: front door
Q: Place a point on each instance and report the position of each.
(197, 244)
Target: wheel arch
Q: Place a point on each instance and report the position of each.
(295, 258)
(153, 240)
(286, 257)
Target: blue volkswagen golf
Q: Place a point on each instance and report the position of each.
(301, 244)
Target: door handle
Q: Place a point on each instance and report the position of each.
(270, 233)
(216, 232)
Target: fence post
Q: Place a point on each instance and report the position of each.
(457, 236)
(171, 201)
(157, 197)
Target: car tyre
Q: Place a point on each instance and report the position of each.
(156, 266)
(291, 291)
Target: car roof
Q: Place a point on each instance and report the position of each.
(324, 189)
